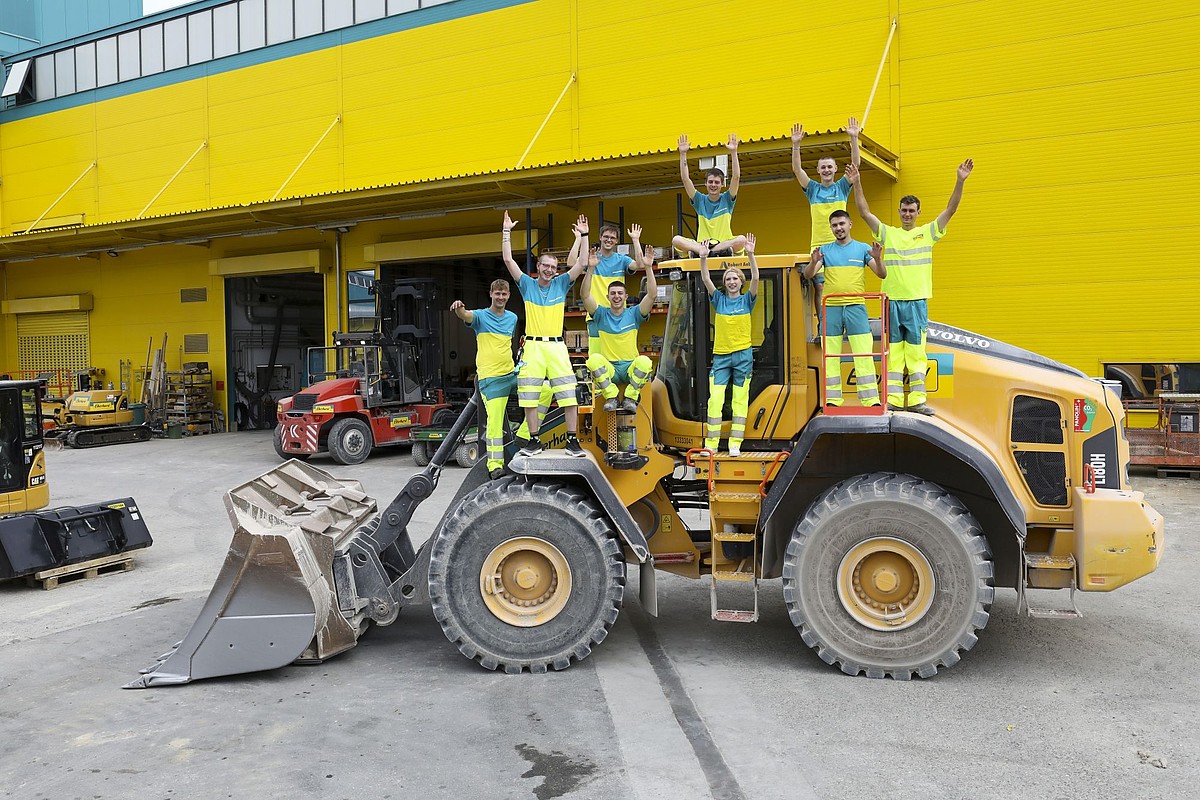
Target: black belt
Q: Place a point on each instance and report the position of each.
(543, 338)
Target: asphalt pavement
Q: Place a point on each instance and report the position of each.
(677, 706)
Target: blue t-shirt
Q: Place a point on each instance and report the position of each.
(609, 269)
(618, 333)
(714, 219)
(823, 201)
(494, 342)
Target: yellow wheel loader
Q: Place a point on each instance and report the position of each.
(32, 540)
(889, 532)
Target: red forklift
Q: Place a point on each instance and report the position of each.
(371, 389)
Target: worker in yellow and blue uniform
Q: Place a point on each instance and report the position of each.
(612, 266)
(733, 356)
(545, 356)
(714, 208)
(616, 359)
(908, 256)
(824, 195)
(494, 328)
(845, 262)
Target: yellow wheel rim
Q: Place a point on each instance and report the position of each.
(525, 581)
(886, 584)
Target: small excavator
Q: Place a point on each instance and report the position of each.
(93, 416)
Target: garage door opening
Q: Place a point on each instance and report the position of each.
(272, 320)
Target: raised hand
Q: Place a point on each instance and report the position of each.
(456, 305)
(594, 256)
(508, 223)
(648, 253)
(684, 145)
(581, 226)
(751, 239)
(852, 127)
(877, 252)
(733, 143)
(635, 231)
(797, 133)
(964, 169)
(852, 174)
(704, 251)
(817, 257)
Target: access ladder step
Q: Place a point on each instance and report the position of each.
(734, 537)
(1053, 613)
(1047, 561)
(734, 615)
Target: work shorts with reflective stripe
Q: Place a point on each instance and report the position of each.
(907, 320)
(545, 361)
(735, 366)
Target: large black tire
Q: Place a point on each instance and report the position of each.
(420, 453)
(873, 545)
(277, 438)
(350, 441)
(540, 624)
(468, 454)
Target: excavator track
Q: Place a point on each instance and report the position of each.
(81, 438)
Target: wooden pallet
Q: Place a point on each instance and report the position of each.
(1179, 472)
(50, 578)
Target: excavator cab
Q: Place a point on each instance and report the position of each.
(23, 484)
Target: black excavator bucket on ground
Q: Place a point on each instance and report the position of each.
(39, 540)
(312, 563)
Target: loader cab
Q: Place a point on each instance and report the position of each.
(23, 484)
(783, 391)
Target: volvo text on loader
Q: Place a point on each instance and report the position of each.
(889, 533)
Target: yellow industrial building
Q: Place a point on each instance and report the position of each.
(220, 173)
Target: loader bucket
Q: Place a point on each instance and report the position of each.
(275, 600)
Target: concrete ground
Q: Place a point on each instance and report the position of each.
(674, 707)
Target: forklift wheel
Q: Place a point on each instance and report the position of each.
(350, 441)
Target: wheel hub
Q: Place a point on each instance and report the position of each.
(525, 581)
(885, 584)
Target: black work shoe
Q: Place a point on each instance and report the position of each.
(629, 406)
(922, 408)
(610, 404)
(573, 448)
(498, 472)
(532, 449)
(894, 408)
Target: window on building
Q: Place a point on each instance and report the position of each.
(200, 37)
(402, 6)
(129, 56)
(18, 77)
(310, 17)
(338, 14)
(175, 43)
(367, 10)
(152, 50)
(106, 61)
(85, 67)
(280, 22)
(64, 72)
(252, 24)
(225, 30)
(43, 77)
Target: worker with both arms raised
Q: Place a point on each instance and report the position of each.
(733, 354)
(615, 359)
(545, 355)
(908, 254)
(612, 266)
(714, 208)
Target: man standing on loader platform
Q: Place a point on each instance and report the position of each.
(613, 266)
(733, 355)
(545, 353)
(616, 359)
(494, 328)
(908, 256)
(714, 208)
(824, 195)
(845, 263)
